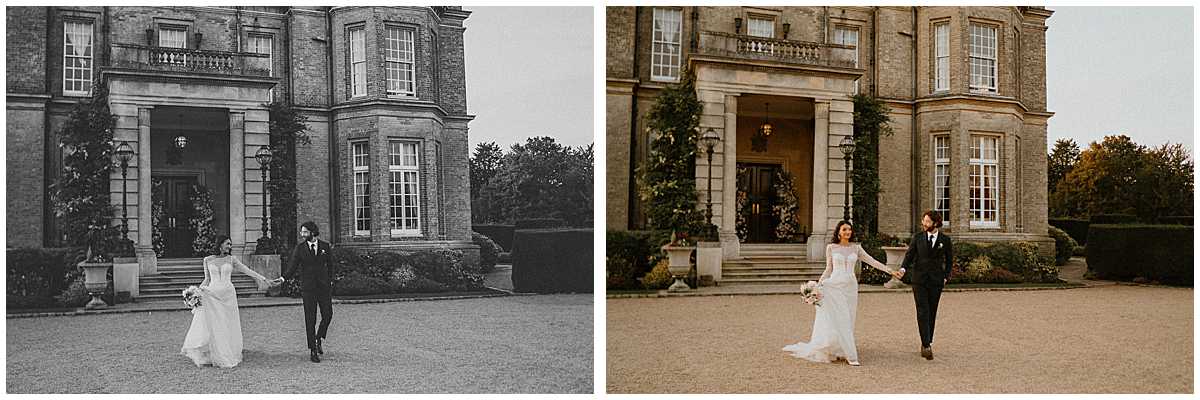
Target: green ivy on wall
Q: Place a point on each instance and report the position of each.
(81, 195)
(668, 178)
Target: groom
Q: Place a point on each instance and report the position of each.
(930, 255)
(312, 258)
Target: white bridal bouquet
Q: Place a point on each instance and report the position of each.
(191, 296)
(811, 293)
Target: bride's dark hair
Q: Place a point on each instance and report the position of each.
(853, 233)
(217, 247)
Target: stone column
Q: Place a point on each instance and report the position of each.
(730, 246)
(820, 182)
(237, 181)
(147, 259)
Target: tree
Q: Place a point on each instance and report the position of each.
(540, 179)
(1064, 157)
(1118, 176)
(870, 122)
(484, 165)
(668, 178)
(288, 128)
(1166, 182)
(81, 195)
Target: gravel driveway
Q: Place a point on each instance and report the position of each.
(1114, 339)
(517, 344)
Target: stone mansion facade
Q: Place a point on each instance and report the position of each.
(383, 89)
(966, 87)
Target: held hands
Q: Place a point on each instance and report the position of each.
(898, 273)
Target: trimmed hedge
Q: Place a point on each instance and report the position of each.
(552, 260)
(1064, 245)
(501, 234)
(629, 255)
(489, 252)
(1114, 219)
(37, 275)
(538, 223)
(1160, 253)
(1177, 220)
(1074, 227)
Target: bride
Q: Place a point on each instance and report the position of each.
(215, 336)
(833, 328)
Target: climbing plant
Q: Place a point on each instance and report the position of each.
(81, 194)
(870, 123)
(668, 179)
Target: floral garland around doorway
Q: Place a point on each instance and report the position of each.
(743, 205)
(201, 222)
(787, 207)
(157, 199)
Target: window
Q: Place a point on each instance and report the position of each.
(985, 174)
(77, 58)
(171, 36)
(849, 37)
(941, 57)
(362, 187)
(666, 54)
(358, 62)
(761, 27)
(983, 58)
(941, 177)
(399, 61)
(262, 44)
(405, 188)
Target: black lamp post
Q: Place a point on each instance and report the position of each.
(710, 139)
(124, 153)
(263, 155)
(847, 146)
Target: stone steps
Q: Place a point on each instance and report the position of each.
(175, 275)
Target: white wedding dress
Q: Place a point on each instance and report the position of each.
(215, 336)
(833, 328)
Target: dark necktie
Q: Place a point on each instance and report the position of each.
(314, 248)
(931, 241)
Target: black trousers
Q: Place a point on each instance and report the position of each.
(926, 296)
(312, 301)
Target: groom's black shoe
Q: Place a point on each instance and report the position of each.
(319, 349)
(927, 353)
(312, 355)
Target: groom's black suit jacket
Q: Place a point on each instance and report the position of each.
(316, 270)
(929, 265)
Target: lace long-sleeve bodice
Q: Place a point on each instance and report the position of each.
(840, 261)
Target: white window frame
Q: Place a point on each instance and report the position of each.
(170, 40)
(356, 44)
(666, 53)
(760, 26)
(941, 57)
(985, 181)
(982, 54)
(941, 176)
(400, 61)
(404, 187)
(847, 35)
(360, 169)
(255, 43)
(78, 69)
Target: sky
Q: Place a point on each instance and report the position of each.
(1120, 70)
(529, 73)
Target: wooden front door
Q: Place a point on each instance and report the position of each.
(760, 191)
(177, 209)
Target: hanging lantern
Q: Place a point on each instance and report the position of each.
(181, 142)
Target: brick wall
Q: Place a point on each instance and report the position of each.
(25, 127)
(25, 52)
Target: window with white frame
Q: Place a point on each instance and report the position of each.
(941, 57)
(848, 36)
(941, 177)
(405, 190)
(172, 36)
(361, 168)
(399, 61)
(761, 27)
(263, 44)
(667, 51)
(983, 58)
(358, 62)
(985, 185)
(77, 57)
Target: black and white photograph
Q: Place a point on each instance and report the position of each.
(299, 199)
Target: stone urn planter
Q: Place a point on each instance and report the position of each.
(895, 256)
(679, 264)
(95, 281)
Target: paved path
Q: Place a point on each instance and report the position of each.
(1104, 339)
(512, 344)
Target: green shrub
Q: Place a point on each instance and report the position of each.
(489, 252)
(659, 277)
(1064, 245)
(553, 261)
(964, 252)
(501, 234)
(355, 283)
(630, 254)
(1075, 228)
(446, 267)
(539, 223)
(1080, 251)
(1113, 219)
(1177, 220)
(873, 246)
(37, 275)
(998, 275)
(75, 295)
(1161, 253)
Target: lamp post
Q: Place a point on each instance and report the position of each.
(847, 146)
(710, 139)
(124, 153)
(263, 155)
